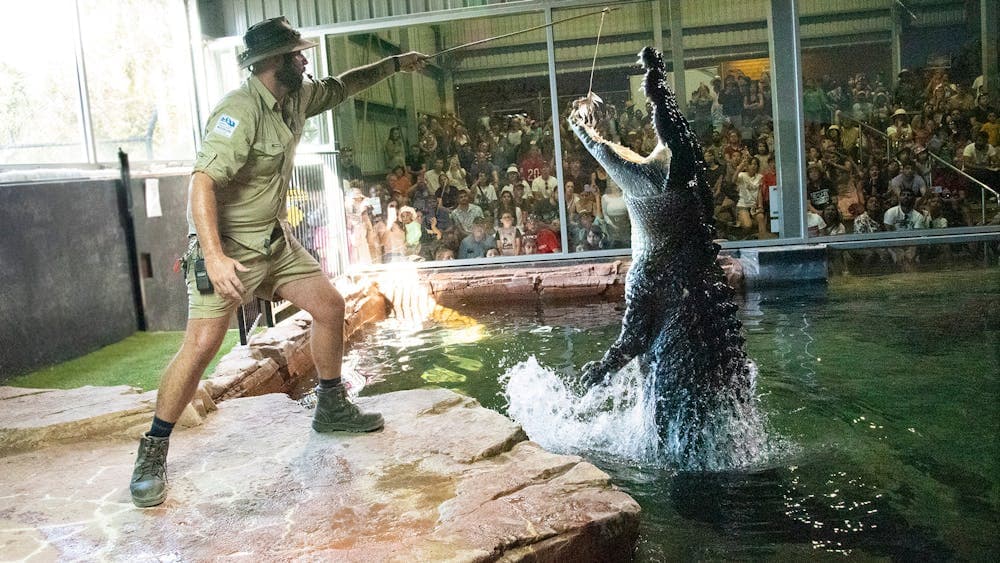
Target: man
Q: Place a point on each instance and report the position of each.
(904, 217)
(981, 160)
(236, 210)
(908, 180)
(466, 212)
(518, 186)
(433, 175)
(348, 169)
(483, 165)
(545, 184)
(476, 243)
(531, 163)
(980, 153)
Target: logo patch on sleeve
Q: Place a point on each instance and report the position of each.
(226, 125)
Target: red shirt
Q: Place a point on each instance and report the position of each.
(548, 242)
(531, 168)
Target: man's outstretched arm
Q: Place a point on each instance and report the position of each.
(364, 77)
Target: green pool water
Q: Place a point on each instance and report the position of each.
(882, 391)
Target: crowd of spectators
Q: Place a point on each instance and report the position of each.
(873, 153)
(489, 188)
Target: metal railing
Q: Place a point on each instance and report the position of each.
(315, 211)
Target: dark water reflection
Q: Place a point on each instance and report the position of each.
(882, 391)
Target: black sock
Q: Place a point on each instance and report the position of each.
(329, 383)
(161, 428)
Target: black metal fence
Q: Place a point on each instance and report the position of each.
(316, 217)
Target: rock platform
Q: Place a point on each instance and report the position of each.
(446, 480)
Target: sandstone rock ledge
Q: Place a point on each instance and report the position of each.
(446, 480)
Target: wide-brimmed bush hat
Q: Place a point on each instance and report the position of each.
(271, 37)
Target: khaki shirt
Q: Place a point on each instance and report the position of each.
(249, 149)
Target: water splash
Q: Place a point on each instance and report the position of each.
(619, 420)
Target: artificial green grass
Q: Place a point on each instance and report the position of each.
(137, 361)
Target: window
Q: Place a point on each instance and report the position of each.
(136, 54)
(889, 104)
(473, 131)
(40, 109)
(139, 78)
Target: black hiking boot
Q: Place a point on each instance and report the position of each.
(149, 478)
(334, 413)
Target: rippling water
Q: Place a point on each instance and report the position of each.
(880, 396)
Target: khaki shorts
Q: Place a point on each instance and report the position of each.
(288, 261)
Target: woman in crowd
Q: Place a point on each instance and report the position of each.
(701, 109)
(569, 199)
(395, 149)
(748, 182)
(753, 105)
(457, 176)
(599, 180)
(506, 205)
(399, 181)
(615, 216)
(428, 143)
(447, 194)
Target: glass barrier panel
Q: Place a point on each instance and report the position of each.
(595, 209)
(454, 161)
(891, 99)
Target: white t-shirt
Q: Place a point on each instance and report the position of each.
(895, 217)
(749, 189)
(814, 224)
(543, 187)
(973, 156)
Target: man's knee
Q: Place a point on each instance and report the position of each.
(203, 337)
(329, 309)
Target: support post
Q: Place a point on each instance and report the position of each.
(789, 137)
(677, 53)
(989, 14)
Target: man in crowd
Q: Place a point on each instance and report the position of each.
(476, 243)
(241, 241)
(908, 180)
(466, 212)
(349, 170)
(904, 217)
(545, 184)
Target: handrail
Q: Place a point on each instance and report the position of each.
(963, 173)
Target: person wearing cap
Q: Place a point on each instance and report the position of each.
(237, 219)
(514, 181)
(900, 133)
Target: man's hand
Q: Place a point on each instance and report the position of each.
(222, 271)
(412, 61)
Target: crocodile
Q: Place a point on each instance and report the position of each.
(680, 321)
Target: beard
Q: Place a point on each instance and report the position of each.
(287, 75)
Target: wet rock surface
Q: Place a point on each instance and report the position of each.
(446, 480)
